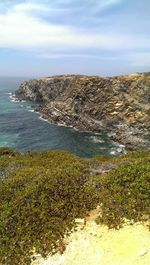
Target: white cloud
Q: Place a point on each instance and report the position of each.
(25, 7)
(102, 5)
(66, 55)
(98, 5)
(28, 7)
(21, 29)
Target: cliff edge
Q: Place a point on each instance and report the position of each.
(119, 105)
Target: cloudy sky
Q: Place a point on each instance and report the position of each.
(101, 37)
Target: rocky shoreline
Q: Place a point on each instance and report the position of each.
(117, 105)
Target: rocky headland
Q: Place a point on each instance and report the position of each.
(118, 105)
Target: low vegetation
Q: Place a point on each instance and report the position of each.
(124, 193)
(42, 193)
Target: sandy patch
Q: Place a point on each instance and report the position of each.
(97, 245)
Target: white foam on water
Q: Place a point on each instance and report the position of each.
(96, 139)
(102, 148)
(120, 148)
(64, 125)
(42, 119)
(97, 133)
(113, 152)
(13, 98)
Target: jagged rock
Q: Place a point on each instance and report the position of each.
(119, 105)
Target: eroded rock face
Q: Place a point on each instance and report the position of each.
(120, 105)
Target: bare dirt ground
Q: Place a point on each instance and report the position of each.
(94, 244)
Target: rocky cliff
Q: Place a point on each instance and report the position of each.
(119, 105)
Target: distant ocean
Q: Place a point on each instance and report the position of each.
(24, 130)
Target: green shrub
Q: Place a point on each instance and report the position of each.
(125, 192)
(39, 201)
(44, 192)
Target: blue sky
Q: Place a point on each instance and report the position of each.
(100, 37)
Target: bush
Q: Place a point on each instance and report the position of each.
(125, 192)
(45, 191)
(39, 201)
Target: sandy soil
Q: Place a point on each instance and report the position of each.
(97, 245)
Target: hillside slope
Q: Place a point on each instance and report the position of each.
(45, 195)
(120, 105)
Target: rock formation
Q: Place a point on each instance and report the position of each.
(119, 105)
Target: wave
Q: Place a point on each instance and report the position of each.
(119, 149)
(13, 98)
(42, 119)
(96, 139)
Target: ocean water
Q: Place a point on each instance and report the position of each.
(22, 129)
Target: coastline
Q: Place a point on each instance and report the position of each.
(127, 139)
(118, 148)
(116, 105)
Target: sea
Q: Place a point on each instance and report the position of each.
(23, 129)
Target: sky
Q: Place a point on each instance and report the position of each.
(93, 37)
